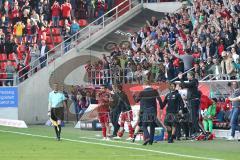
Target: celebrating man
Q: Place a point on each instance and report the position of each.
(193, 98)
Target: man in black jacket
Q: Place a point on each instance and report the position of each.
(174, 105)
(115, 110)
(193, 100)
(126, 113)
(148, 111)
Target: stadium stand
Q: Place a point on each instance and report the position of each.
(24, 24)
(204, 38)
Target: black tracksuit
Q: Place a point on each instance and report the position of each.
(120, 104)
(193, 99)
(174, 102)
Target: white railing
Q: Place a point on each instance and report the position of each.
(174, 79)
(80, 36)
(110, 76)
(210, 77)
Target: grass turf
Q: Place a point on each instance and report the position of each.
(85, 145)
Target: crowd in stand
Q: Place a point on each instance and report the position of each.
(205, 36)
(30, 28)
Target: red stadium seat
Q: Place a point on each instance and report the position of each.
(3, 57)
(82, 22)
(3, 65)
(20, 55)
(57, 39)
(51, 47)
(48, 31)
(11, 57)
(14, 64)
(61, 23)
(4, 75)
(56, 31)
(49, 40)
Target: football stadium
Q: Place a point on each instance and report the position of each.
(119, 79)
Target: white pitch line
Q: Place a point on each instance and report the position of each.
(115, 141)
(116, 146)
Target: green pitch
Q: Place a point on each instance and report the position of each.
(38, 143)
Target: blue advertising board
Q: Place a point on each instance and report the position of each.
(8, 97)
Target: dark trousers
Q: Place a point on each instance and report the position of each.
(10, 80)
(148, 135)
(185, 127)
(43, 61)
(114, 120)
(178, 130)
(194, 115)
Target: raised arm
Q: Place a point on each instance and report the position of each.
(234, 99)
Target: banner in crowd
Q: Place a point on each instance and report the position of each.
(8, 97)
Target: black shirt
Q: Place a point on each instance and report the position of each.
(120, 102)
(174, 102)
(192, 89)
(147, 98)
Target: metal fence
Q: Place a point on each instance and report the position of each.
(110, 76)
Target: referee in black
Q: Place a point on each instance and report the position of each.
(56, 104)
(174, 103)
(193, 100)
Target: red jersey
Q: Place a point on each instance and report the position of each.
(15, 13)
(56, 10)
(28, 29)
(66, 10)
(103, 101)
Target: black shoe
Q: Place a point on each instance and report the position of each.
(134, 137)
(151, 142)
(146, 142)
(170, 140)
(178, 139)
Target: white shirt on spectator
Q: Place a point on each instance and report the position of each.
(235, 57)
(43, 51)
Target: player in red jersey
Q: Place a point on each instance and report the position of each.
(103, 97)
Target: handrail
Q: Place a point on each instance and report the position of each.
(182, 74)
(74, 35)
(215, 76)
